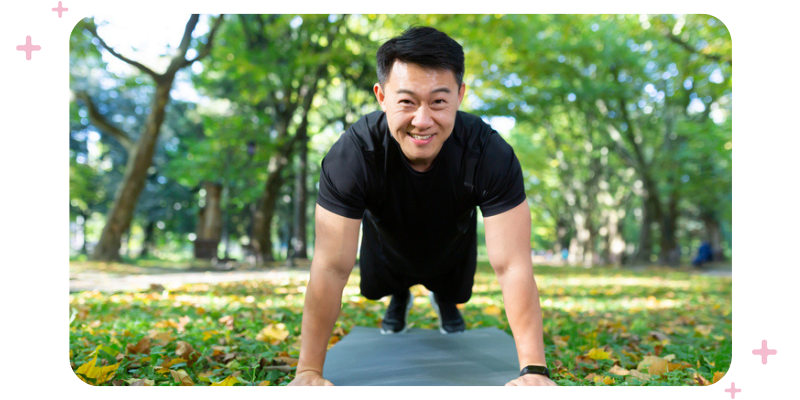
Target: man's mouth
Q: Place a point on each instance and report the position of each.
(423, 138)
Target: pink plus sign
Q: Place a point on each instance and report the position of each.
(733, 390)
(764, 352)
(28, 48)
(60, 9)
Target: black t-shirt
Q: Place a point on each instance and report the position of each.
(424, 222)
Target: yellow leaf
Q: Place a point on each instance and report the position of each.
(208, 334)
(598, 354)
(99, 374)
(599, 378)
(646, 361)
(640, 375)
(617, 370)
(492, 310)
(229, 381)
(166, 324)
(703, 330)
(265, 383)
(717, 376)
(182, 377)
(273, 332)
(658, 367)
(560, 341)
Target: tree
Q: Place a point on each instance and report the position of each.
(141, 150)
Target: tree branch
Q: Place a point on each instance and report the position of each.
(206, 50)
(92, 28)
(103, 124)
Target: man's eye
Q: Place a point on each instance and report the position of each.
(405, 102)
(440, 101)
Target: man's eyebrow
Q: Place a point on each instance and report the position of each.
(437, 90)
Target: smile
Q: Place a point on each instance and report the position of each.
(421, 138)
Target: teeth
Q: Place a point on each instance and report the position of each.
(418, 137)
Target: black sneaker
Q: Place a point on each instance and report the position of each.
(450, 320)
(394, 321)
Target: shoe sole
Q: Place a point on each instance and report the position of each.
(408, 311)
(439, 315)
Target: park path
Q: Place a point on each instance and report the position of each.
(105, 282)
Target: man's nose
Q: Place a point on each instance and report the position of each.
(422, 118)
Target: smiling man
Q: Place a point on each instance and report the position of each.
(412, 175)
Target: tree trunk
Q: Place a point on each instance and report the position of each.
(149, 235)
(298, 242)
(265, 213)
(209, 225)
(140, 155)
(119, 218)
(670, 251)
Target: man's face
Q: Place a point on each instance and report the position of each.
(420, 105)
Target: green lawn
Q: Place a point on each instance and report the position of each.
(602, 326)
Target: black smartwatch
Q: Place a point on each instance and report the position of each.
(535, 369)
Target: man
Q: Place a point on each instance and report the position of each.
(414, 174)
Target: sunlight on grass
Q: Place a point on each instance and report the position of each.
(628, 314)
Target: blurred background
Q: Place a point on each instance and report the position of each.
(200, 138)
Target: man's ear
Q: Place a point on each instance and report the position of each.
(461, 91)
(380, 95)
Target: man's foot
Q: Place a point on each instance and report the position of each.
(450, 320)
(394, 321)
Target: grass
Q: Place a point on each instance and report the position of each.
(602, 323)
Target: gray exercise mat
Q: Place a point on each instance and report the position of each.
(422, 357)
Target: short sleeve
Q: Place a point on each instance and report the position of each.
(342, 181)
(499, 182)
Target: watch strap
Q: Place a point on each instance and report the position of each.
(535, 369)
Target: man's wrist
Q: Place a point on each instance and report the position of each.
(535, 369)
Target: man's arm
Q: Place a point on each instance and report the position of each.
(508, 236)
(334, 257)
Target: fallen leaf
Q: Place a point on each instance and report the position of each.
(640, 375)
(273, 332)
(99, 374)
(182, 377)
(617, 370)
(265, 383)
(600, 378)
(717, 376)
(229, 381)
(646, 361)
(492, 310)
(165, 324)
(187, 352)
(678, 366)
(182, 321)
(658, 367)
(228, 321)
(561, 341)
(598, 354)
(162, 338)
(142, 347)
(700, 380)
(167, 363)
(703, 330)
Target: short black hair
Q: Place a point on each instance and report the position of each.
(424, 46)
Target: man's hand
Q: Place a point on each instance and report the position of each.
(310, 378)
(532, 380)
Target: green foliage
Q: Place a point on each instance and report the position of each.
(631, 314)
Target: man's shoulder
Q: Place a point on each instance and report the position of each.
(368, 131)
